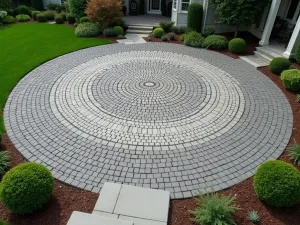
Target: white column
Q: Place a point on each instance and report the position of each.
(205, 11)
(293, 40)
(270, 22)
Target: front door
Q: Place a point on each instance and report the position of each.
(154, 6)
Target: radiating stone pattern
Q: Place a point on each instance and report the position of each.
(153, 115)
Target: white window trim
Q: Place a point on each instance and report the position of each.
(180, 7)
(175, 8)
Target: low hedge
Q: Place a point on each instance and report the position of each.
(50, 14)
(291, 79)
(41, 18)
(279, 64)
(218, 42)
(237, 45)
(71, 18)
(158, 32)
(84, 19)
(26, 188)
(34, 13)
(277, 183)
(193, 39)
(118, 30)
(87, 30)
(59, 19)
(8, 20)
(22, 18)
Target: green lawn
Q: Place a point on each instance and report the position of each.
(25, 46)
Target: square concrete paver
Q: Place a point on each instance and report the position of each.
(143, 203)
(138, 221)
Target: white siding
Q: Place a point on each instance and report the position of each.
(46, 2)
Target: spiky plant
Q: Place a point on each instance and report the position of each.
(298, 98)
(253, 217)
(294, 153)
(4, 161)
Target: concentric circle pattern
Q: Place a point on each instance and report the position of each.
(154, 115)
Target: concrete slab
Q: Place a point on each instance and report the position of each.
(143, 203)
(138, 221)
(99, 213)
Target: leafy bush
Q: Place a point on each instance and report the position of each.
(178, 30)
(188, 30)
(172, 36)
(50, 14)
(106, 13)
(22, 18)
(2, 14)
(34, 13)
(41, 18)
(54, 6)
(237, 45)
(23, 9)
(294, 153)
(253, 217)
(158, 32)
(109, 32)
(277, 183)
(26, 188)
(182, 37)
(2, 222)
(166, 25)
(37, 4)
(193, 39)
(297, 53)
(194, 18)
(215, 209)
(71, 18)
(6, 4)
(208, 31)
(84, 19)
(279, 64)
(4, 160)
(59, 19)
(164, 38)
(291, 79)
(215, 42)
(87, 30)
(63, 15)
(118, 30)
(77, 8)
(8, 20)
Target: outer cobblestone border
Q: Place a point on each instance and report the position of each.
(63, 115)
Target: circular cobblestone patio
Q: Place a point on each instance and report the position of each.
(154, 115)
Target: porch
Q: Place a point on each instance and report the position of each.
(145, 20)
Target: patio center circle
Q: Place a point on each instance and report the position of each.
(172, 118)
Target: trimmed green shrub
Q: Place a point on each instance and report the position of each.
(2, 222)
(294, 153)
(237, 45)
(71, 18)
(77, 8)
(50, 14)
(23, 9)
(194, 18)
(291, 79)
(63, 15)
(297, 53)
(87, 30)
(109, 32)
(41, 18)
(158, 32)
(279, 64)
(172, 36)
(193, 39)
(182, 37)
(4, 160)
(26, 188)
(277, 183)
(34, 13)
(2, 14)
(37, 4)
(208, 31)
(166, 25)
(54, 6)
(164, 38)
(22, 18)
(118, 30)
(84, 19)
(59, 19)
(215, 209)
(8, 20)
(215, 42)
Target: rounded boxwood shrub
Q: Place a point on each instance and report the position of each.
(237, 45)
(41, 18)
(158, 32)
(23, 9)
(194, 18)
(71, 18)
(193, 39)
(279, 64)
(50, 14)
(87, 30)
(26, 188)
(118, 30)
(59, 19)
(8, 20)
(109, 32)
(215, 42)
(277, 183)
(22, 18)
(84, 19)
(63, 15)
(34, 13)
(291, 79)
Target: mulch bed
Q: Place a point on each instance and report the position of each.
(67, 199)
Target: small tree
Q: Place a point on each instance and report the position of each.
(239, 12)
(77, 8)
(194, 18)
(105, 13)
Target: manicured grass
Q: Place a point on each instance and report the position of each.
(25, 46)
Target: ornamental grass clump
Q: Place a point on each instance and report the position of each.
(217, 42)
(87, 30)
(193, 39)
(294, 153)
(4, 160)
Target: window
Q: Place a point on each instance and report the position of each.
(185, 5)
(174, 4)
